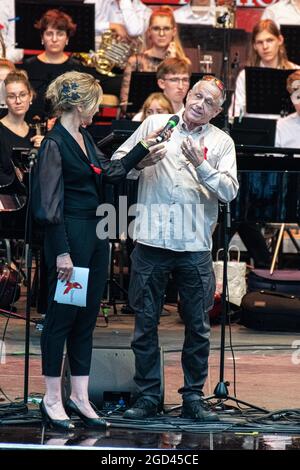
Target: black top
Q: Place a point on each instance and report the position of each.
(8, 140)
(40, 75)
(68, 183)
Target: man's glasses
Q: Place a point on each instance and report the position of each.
(164, 29)
(177, 80)
(22, 96)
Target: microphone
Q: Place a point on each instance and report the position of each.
(172, 122)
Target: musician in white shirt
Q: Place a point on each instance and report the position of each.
(128, 18)
(197, 12)
(283, 12)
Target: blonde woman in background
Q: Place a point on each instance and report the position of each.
(156, 103)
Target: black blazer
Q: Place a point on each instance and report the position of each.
(67, 183)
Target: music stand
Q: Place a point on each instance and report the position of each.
(266, 91)
(211, 40)
(142, 84)
(253, 131)
(291, 34)
(29, 11)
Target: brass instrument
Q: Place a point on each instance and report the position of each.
(225, 16)
(111, 53)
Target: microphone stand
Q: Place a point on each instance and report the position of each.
(221, 389)
(28, 261)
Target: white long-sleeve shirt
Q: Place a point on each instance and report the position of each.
(288, 132)
(132, 14)
(283, 12)
(178, 203)
(186, 15)
(7, 15)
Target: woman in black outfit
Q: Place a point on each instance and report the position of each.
(68, 188)
(56, 28)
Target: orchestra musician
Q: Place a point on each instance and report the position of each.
(14, 130)
(162, 41)
(267, 50)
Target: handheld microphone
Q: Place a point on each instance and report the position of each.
(172, 122)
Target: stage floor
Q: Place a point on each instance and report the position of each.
(267, 375)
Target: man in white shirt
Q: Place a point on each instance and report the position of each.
(178, 209)
(288, 128)
(7, 22)
(197, 12)
(283, 12)
(128, 18)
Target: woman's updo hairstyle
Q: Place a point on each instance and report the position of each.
(73, 89)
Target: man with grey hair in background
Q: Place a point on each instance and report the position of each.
(178, 209)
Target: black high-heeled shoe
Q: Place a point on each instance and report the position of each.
(63, 424)
(72, 408)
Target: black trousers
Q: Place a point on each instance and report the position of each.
(70, 324)
(194, 276)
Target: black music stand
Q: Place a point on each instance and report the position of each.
(142, 84)
(291, 34)
(253, 131)
(29, 11)
(266, 91)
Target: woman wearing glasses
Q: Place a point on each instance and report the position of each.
(14, 130)
(161, 42)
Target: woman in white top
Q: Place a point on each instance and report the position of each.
(267, 50)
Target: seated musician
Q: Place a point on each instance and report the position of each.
(267, 50)
(156, 103)
(197, 12)
(162, 41)
(126, 18)
(14, 130)
(283, 12)
(288, 128)
(173, 78)
(56, 27)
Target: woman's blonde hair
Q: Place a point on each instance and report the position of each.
(270, 27)
(163, 101)
(165, 12)
(73, 89)
(19, 76)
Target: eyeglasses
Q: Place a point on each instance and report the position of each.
(22, 96)
(177, 80)
(164, 29)
(219, 84)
